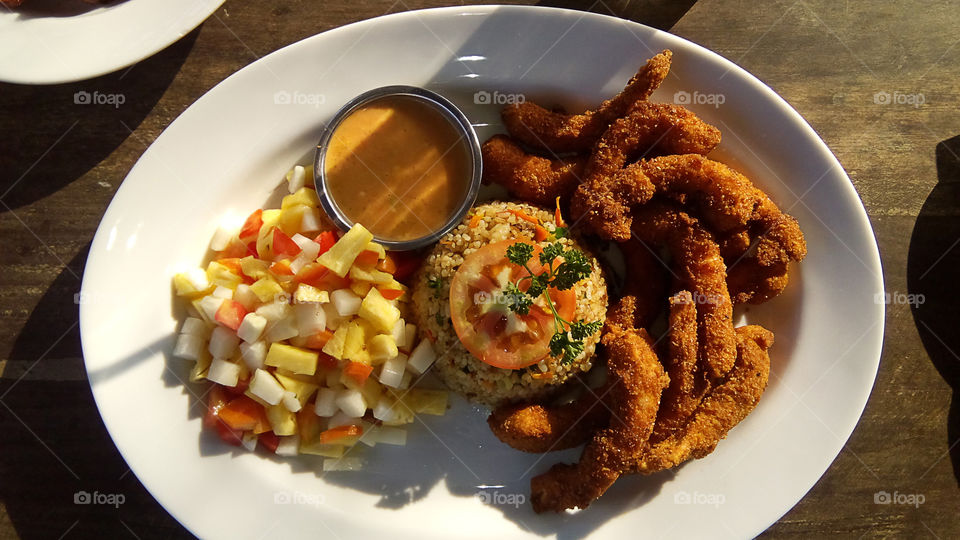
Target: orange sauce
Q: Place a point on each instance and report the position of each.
(398, 167)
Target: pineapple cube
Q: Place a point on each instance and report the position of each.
(266, 289)
(371, 275)
(192, 284)
(382, 347)
(254, 267)
(380, 251)
(202, 367)
(335, 346)
(283, 421)
(291, 217)
(303, 196)
(220, 275)
(316, 448)
(340, 257)
(426, 401)
(309, 294)
(358, 333)
(360, 288)
(293, 359)
(302, 388)
(379, 311)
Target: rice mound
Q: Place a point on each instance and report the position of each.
(460, 370)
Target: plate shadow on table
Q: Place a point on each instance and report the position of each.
(932, 281)
(38, 9)
(661, 14)
(56, 133)
(54, 444)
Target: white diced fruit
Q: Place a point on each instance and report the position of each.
(194, 326)
(407, 379)
(288, 446)
(282, 329)
(383, 410)
(310, 318)
(308, 248)
(409, 337)
(245, 295)
(392, 435)
(266, 387)
(391, 373)
(224, 372)
(346, 302)
(333, 318)
(291, 402)
(188, 347)
(351, 402)
(249, 441)
(253, 354)
(296, 179)
(342, 419)
(398, 333)
(326, 404)
(209, 305)
(421, 358)
(274, 311)
(310, 220)
(223, 292)
(221, 238)
(223, 342)
(251, 328)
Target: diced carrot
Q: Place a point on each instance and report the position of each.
(230, 314)
(244, 414)
(557, 217)
(326, 239)
(283, 244)
(340, 432)
(367, 258)
(524, 216)
(318, 340)
(252, 226)
(390, 294)
(387, 265)
(541, 234)
(358, 372)
(281, 268)
(475, 220)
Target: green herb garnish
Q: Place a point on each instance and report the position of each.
(436, 284)
(567, 341)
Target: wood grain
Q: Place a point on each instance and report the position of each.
(833, 61)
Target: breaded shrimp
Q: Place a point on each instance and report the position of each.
(527, 177)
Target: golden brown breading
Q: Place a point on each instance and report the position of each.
(527, 177)
(637, 378)
(556, 132)
(534, 427)
(722, 409)
(645, 280)
(700, 269)
(751, 283)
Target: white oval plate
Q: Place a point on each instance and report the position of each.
(75, 41)
(228, 151)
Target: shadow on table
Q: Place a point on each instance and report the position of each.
(661, 14)
(36, 9)
(55, 451)
(53, 134)
(933, 278)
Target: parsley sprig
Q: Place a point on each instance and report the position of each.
(567, 341)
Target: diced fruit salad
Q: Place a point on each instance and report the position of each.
(301, 330)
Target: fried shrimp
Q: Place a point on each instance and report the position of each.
(686, 389)
(533, 427)
(722, 409)
(538, 127)
(527, 177)
(611, 188)
(722, 197)
(751, 283)
(700, 270)
(645, 281)
(636, 379)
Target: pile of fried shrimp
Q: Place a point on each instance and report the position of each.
(636, 172)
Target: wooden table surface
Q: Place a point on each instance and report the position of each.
(878, 80)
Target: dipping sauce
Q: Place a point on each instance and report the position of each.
(398, 166)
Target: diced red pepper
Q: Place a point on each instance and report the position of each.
(318, 340)
(390, 294)
(357, 372)
(326, 239)
(216, 401)
(244, 414)
(252, 249)
(235, 249)
(251, 227)
(281, 268)
(367, 258)
(319, 276)
(387, 265)
(283, 244)
(340, 432)
(231, 313)
(269, 440)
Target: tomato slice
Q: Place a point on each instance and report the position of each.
(326, 239)
(230, 314)
(367, 258)
(487, 327)
(252, 226)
